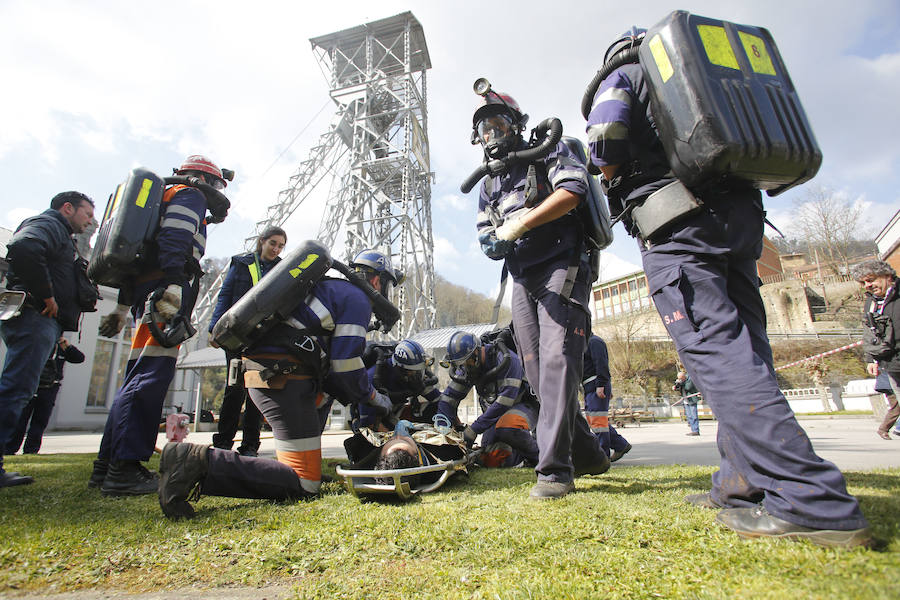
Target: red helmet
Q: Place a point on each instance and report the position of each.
(198, 162)
(494, 102)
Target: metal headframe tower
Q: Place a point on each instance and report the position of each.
(376, 152)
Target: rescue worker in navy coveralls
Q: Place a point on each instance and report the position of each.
(41, 257)
(702, 276)
(133, 422)
(337, 314)
(540, 244)
(597, 394)
(497, 375)
(244, 272)
(404, 377)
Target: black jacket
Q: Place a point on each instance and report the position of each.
(881, 331)
(41, 257)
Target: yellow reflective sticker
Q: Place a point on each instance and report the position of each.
(112, 205)
(144, 193)
(755, 47)
(661, 57)
(310, 259)
(718, 48)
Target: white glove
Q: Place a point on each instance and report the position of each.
(112, 324)
(168, 305)
(512, 230)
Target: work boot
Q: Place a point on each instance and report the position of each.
(101, 466)
(599, 467)
(182, 468)
(617, 454)
(128, 478)
(757, 522)
(10, 479)
(248, 452)
(549, 490)
(702, 500)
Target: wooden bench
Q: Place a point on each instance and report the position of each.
(620, 417)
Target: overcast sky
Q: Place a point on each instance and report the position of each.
(92, 89)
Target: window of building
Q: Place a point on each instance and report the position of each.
(110, 359)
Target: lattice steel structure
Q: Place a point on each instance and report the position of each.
(376, 152)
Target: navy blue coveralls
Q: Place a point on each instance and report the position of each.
(703, 280)
(245, 271)
(337, 314)
(596, 409)
(133, 422)
(549, 328)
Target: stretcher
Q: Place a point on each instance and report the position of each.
(446, 451)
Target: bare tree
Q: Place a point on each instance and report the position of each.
(829, 222)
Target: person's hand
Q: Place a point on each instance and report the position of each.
(469, 435)
(494, 248)
(381, 403)
(168, 305)
(51, 309)
(512, 230)
(63, 343)
(601, 393)
(872, 369)
(112, 324)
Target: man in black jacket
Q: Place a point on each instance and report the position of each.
(881, 317)
(41, 259)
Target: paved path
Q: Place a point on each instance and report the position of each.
(849, 442)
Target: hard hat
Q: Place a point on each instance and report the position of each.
(461, 346)
(198, 162)
(409, 355)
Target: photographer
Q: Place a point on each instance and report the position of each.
(42, 263)
(880, 314)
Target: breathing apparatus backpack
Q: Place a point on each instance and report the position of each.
(285, 287)
(724, 105)
(126, 241)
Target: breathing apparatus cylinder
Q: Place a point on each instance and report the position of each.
(548, 132)
(274, 298)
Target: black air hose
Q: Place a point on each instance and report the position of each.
(386, 314)
(217, 203)
(624, 57)
(550, 130)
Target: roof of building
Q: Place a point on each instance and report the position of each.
(438, 338)
(202, 358)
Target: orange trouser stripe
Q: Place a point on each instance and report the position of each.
(306, 464)
(142, 337)
(594, 421)
(513, 421)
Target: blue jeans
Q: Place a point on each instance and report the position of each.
(693, 419)
(30, 339)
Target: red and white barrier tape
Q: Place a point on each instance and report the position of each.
(809, 358)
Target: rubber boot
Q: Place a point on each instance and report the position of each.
(128, 478)
(101, 466)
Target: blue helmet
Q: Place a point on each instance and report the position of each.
(373, 262)
(629, 39)
(461, 346)
(409, 355)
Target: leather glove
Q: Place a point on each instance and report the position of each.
(469, 435)
(512, 230)
(494, 248)
(112, 324)
(168, 305)
(381, 403)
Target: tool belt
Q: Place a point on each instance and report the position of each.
(663, 209)
(272, 371)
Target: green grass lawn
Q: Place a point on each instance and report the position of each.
(626, 534)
